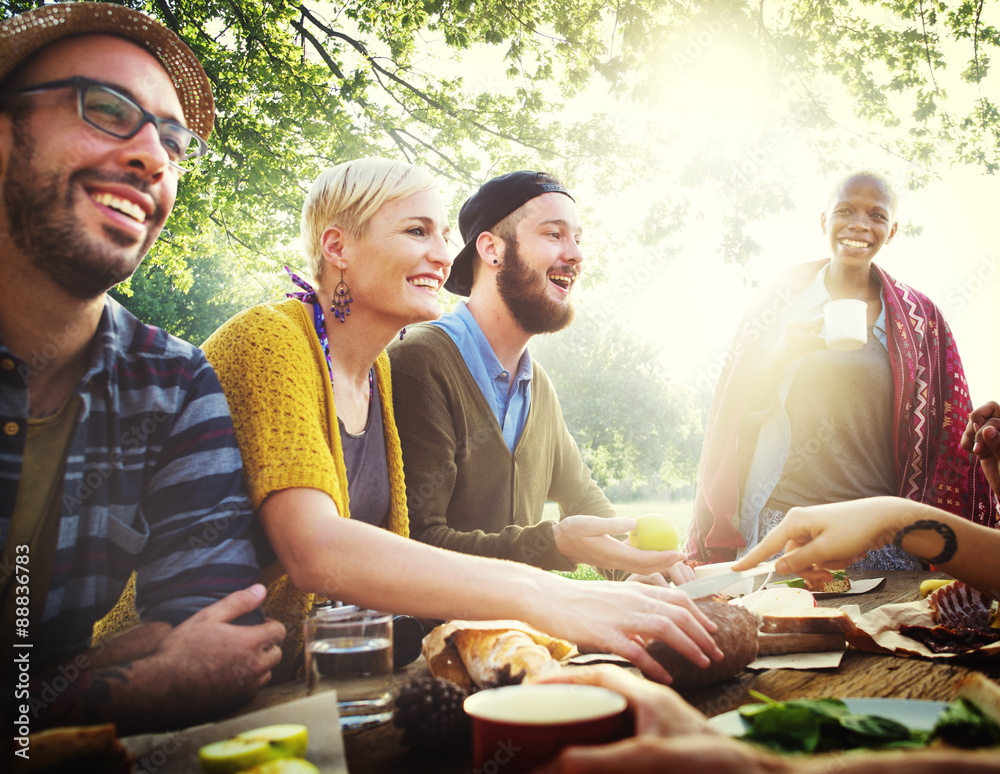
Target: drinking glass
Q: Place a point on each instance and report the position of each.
(350, 650)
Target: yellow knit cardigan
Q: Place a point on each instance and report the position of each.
(273, 371)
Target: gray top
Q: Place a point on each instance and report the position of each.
(840, 408)
(367, 469)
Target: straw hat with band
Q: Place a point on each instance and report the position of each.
(494, 201)
(24, 35)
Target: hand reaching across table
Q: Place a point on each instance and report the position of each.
(819, 538)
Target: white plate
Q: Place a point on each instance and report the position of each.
(915, 714)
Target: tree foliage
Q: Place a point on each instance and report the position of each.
(304, 84)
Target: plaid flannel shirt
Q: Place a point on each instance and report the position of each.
(153, 484)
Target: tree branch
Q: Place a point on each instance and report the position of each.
(975, 58)
(321, 50)
(927, 50)
(360, 48)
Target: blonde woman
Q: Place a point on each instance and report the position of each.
(308, 385)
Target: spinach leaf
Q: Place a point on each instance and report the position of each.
(963, 724)
(821, 725)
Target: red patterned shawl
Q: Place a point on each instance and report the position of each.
(930, 413)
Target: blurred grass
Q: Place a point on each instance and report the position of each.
(679, 512)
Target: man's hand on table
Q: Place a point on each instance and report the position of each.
(216, 663)
(611, 617)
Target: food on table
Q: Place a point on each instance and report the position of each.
(824, 725)
(73, 749)
(957, 605)
(491, 653)
(254, 747)
(973, 720)
(821, 725)
(813, 620)
(770, 600)
(929, 585)
(654, 532)
(283, 766)
(965, 620)
(431, 713)
(797, 642)
(941, 639)
(838, 585)
(501, 657)
(736, 638)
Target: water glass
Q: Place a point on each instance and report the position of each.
(350, 650)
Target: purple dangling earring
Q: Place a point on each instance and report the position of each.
(341, 306)
(402, 333)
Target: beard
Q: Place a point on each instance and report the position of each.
(45, 228)
(525, 294)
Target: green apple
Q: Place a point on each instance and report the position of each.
(249, 748)
(654, 532)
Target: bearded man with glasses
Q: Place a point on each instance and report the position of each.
(117, 453)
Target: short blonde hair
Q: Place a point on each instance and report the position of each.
(348, 195)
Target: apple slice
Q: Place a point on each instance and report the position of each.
(283, 766)
(249, 748)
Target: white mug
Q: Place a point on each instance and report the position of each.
(845, 324)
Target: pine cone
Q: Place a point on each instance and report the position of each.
(430, 712)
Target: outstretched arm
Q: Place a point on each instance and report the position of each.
(156, 677)
(831, 537)
(364, 565)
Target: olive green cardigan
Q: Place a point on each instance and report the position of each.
(465, 490)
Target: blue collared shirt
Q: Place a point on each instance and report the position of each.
(775, 438)
(510, 405)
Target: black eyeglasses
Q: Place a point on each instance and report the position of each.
(104, 107)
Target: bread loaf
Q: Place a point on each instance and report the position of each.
(812, 620)
(794, 642)
(496, 658)
(491, 653)
(736, 638)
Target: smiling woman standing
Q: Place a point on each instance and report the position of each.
(794, 423)
(309, 389)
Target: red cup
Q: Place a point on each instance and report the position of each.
(521, 727)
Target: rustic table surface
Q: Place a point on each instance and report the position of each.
(379, 750)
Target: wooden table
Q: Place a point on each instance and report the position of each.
(379, 750)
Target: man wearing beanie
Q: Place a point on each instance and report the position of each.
(117, 453)
(484, 440)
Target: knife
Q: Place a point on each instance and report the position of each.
(713, 583)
